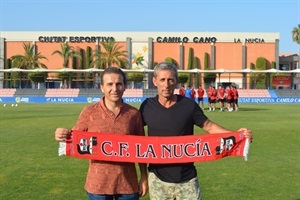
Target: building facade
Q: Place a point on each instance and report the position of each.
(225, 50)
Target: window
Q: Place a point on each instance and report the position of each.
(284, 67)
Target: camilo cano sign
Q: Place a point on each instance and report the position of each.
(150, 149)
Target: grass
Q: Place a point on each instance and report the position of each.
(30, 168)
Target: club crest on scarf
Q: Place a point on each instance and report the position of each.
(226, 145)
(86, 146)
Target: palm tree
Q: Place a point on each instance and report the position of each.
(296, 34)
(67, 52)
(296, 38)
(30, 60)
(111, 56)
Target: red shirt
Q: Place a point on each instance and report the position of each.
(209, 92)
(221, 93)
(182, 92)
(229, 94)
(235, 94)
(200, 93)
(213, 94)
(106, 177)
(193, 94)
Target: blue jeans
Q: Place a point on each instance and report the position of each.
(134, 196)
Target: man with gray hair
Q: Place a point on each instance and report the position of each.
(168, 114)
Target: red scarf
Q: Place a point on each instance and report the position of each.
(152, 149)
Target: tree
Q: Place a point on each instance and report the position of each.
(66, 78)
(67, 52)
(30, 60)
(190, 66)
(183, 77)
(209, 78)
(111, 56)
(196, 66)
(11, 77)
(296, 38)
(296, 34)
(38, 77)
(135, 77)
(88, 77)
(259, 79)
(169, 59)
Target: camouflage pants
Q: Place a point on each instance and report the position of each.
(160, 190)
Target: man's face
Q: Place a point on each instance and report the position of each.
(165, 82)
(113, 87)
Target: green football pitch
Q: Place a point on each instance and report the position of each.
(31, 168)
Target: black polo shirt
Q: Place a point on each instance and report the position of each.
(177, 120)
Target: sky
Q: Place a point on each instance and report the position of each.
(275, 16)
